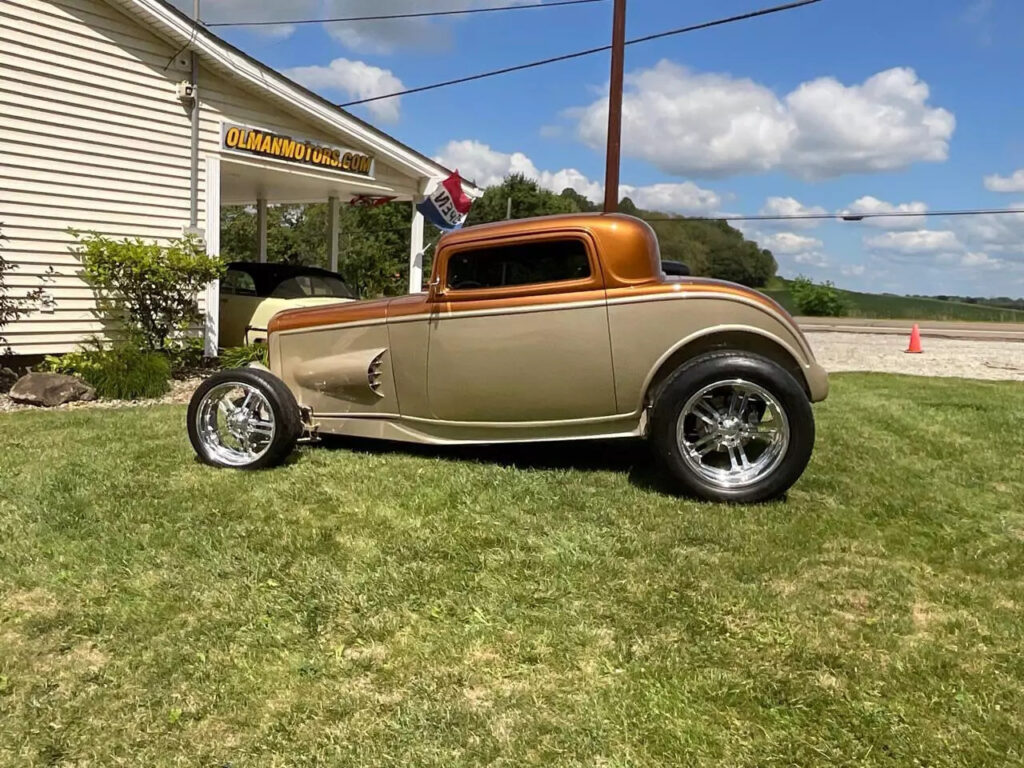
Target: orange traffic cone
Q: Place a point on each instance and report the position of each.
(915, 341)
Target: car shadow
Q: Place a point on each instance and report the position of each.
(631, 457)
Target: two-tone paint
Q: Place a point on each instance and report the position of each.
(570, 359)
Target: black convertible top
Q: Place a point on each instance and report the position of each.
(269, 275)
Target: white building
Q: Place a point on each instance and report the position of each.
(96, 133)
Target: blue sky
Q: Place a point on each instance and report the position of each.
(908, 105)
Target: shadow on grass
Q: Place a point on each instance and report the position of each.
(630, 457)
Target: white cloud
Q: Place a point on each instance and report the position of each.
(1011, 183)
(812, 259)
(689, 123)
(486, 167)
(869, 204)
(789, 206)
(979, 260)
(682, 197)
(921, 241)
(358, 80)
(1003, 233)
(788, 243)
(852, 270)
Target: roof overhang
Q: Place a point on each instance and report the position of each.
(226, 60)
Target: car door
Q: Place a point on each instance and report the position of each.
(238, 302)
(519, 332)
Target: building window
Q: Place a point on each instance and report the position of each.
(520, 264)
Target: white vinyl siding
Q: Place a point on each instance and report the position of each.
(93, 137)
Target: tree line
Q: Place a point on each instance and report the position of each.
(373, 250)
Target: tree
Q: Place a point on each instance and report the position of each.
(528, 199)
(151, 289)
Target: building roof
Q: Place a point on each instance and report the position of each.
(219, 55)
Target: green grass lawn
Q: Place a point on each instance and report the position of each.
(542, 605)
(886, 306)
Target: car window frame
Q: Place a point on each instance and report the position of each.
(233, 291)
(595, 281)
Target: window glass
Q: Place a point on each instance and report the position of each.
(304, 286)
(520, 264)
(238, 283)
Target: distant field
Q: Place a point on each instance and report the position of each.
(885, 306)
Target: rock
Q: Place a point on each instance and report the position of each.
(7, 379)
(50, 389)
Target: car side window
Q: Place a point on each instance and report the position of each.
(519, 264)
(238, 283)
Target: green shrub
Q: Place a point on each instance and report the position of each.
(123, 372)
(186, 355)
(239, 357)
(151, 288)
(817, 299)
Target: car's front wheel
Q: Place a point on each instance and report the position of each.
(244, 418)
(734, 427)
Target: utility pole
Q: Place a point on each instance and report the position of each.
(611, 174)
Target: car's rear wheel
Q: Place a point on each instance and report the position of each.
(733, 426)
(243, 418)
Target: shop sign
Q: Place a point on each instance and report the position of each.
(256, 141)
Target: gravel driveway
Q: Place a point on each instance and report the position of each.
(941, 357)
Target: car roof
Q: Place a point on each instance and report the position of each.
(268, 275)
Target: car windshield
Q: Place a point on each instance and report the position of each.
(311, 286)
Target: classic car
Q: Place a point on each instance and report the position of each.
(253, 292)
(554, 328)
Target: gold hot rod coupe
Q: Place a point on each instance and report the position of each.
(555, 328)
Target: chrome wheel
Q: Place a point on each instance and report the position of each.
(733, 433)
(235, 424)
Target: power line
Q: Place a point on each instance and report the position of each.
(844, 216)
(414, 15)
(588, 52)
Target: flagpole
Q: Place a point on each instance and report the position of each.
(611, 175)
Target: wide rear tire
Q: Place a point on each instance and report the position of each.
(243, 418)
(734, 427)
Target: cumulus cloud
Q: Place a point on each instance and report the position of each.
(917, 242)
(788, 243)
(789, 206)
(690, 123)
(358, 80)
(1011, 183)
(869, 204)
(1002, 233)
(486, 167)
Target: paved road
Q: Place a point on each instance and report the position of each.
(929, 328)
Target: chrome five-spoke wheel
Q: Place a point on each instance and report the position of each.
(733, 426)
(235, 423)
(733, 433)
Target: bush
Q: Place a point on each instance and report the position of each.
(239, 357)
(817, 299)
(121, 373)
(152, 289)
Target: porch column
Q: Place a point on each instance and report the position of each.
(333, 231)
(416, 251)
(261, 229)
(211, 328)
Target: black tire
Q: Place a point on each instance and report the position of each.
(287, 417)
(725, 365)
